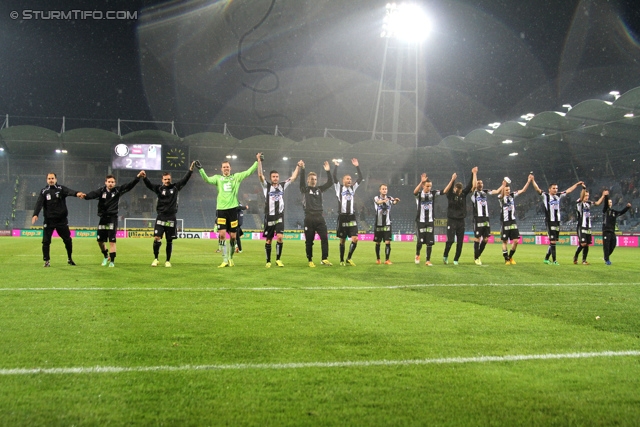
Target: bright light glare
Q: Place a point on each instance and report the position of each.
(405, 21)
(507, 141)
(513, 154)
(285, 158)
(628, 115)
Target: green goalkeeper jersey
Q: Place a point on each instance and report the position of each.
(228, 186)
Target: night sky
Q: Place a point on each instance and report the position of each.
(307, 65)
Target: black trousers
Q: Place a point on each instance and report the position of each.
(609, 243)
(315, 223)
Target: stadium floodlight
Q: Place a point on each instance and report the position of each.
(615, 94)
(231, 156)
(285, 158)
(567, 106)
(507, 141)
(61, 151)
(405, 21)
(513, 154)
(494, 125)
(528, 116)
(629, 115)
(1, 148)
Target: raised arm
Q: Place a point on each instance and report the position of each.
(355, 163)
(329, 183)
(260, 173)
(574, 186)
(535, 185)
(180, 184)
(423, 179)
(450, 184)
(303, 185)
(335, 170)
(601, 199)
(606, 201)
(529, 179)
(295, 173)
(472, 182)
(497, 190)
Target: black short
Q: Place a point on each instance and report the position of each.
(382, 234)
(481, 229)
(227, 219)
(584, 236)
(107, 228)
(553, 230)
(347, 226)
(509, 231)
(165, 226)
(273, 224)
(425, 233)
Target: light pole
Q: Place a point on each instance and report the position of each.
(405, 26)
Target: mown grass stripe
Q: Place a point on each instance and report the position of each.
(304, 365)
(313, 288)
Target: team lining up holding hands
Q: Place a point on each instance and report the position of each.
(52, 201)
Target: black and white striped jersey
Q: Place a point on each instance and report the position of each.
(424, 202)
(480, 205)
(274, 197)
(345, 198)
(382, 211)
(508, 207)
(552, 206)
(583, 209)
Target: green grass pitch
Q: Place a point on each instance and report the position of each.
(401, 344)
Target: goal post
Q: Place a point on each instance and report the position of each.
(148, 223)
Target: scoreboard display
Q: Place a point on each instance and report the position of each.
(137, 157)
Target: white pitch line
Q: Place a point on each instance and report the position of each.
(304, 365)
(317, 288)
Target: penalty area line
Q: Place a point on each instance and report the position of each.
(305, 365)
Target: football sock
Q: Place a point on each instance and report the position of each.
(232, 242)
(387, 251)
(267, 251)
(585, 252)
(482, 246)
(418, 248)
(279, 249)
(156, 249)
(505, 254)
(511, 252)
(377, 250)
(169, 249)
(112, 256)
(341, 252)
(429, 249)
(352, 248)
(476, 250)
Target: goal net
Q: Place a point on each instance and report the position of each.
(146, 225)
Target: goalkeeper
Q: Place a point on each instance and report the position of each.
(228, 185)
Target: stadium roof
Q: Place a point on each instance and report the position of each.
(593, 126)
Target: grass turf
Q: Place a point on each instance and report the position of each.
(246, 327)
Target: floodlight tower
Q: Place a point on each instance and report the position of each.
(404, 28)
